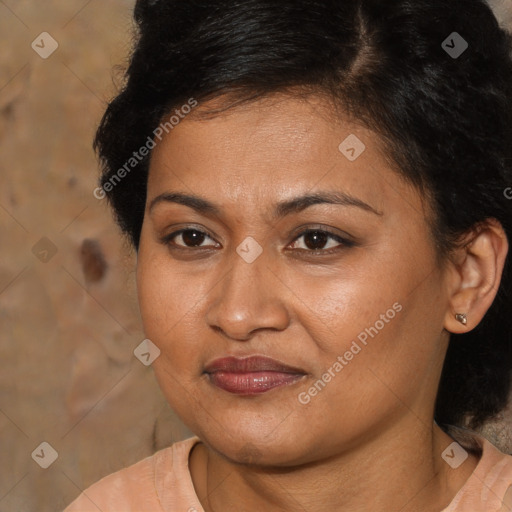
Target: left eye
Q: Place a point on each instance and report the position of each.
(316, 239)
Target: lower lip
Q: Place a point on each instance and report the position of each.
(253, 383)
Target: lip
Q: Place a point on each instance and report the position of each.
(250, 364)
(251, 375)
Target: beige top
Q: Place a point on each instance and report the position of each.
(162, 483)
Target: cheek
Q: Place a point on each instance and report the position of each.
(371, 373)
(172, 301)
(381, 341)
(161, 295)
(166, 294)
(346, 305)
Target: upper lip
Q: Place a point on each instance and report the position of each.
(250, 364)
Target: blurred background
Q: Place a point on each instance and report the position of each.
(75, 403)
(69, 321)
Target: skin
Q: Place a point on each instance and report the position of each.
(367, 440)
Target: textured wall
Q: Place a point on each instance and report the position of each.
(68, 315)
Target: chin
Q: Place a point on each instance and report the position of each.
(256, 449)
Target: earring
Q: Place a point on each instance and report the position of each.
(462, 318)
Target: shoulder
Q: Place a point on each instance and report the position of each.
(495, 474)
(490, 485)
(134, 488)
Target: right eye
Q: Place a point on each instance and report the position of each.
(190, 238)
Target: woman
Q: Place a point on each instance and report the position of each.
(317, 193)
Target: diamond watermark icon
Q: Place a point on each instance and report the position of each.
(454, 45)
(44, 250)
(146, 352)
(506, 505)
(44, 45)
(45, 455)
(454, 455)
(352, 147)
(249, 250)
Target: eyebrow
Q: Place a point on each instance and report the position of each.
(281, 209)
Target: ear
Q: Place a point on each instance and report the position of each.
(475, 274)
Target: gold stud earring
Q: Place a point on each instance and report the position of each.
(462, 318)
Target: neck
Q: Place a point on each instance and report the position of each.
(402, 469)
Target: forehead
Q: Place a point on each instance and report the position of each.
(271, 149)
(288, 128)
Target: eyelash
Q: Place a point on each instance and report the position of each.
(344, 242)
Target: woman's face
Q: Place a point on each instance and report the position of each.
(360, 319)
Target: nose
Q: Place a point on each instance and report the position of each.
(250, 297)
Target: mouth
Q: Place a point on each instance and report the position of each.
(251, 375)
